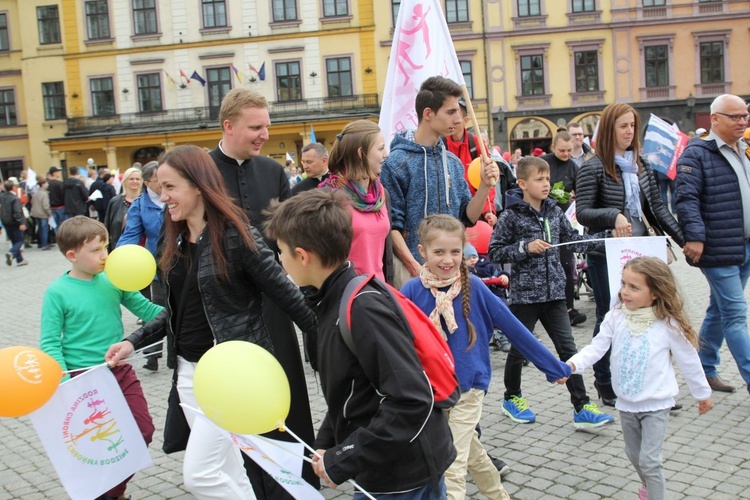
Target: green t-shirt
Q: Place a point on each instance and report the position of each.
(81, 319)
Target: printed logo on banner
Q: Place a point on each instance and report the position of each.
(91, 433)
(283, 477)
(26, 365)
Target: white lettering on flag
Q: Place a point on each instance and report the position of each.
(422, 47)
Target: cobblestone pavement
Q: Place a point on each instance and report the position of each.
(705, 456)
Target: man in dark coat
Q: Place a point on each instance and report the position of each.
(315, 162)
(254, 180)
(713, 207)
(75, 194)
(14, 222)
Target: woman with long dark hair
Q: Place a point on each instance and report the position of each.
(216, 267)
(616, 190)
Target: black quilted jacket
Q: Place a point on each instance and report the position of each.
(599, 199)
(233, 308)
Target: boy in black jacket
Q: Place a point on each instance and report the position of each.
(381, 428)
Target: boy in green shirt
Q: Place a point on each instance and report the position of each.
(81, 316)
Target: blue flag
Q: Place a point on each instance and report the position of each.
(312, 135)
(195, 76)
(262, 72)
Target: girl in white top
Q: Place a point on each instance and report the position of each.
(646, 329)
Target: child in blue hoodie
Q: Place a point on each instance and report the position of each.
(460, 305)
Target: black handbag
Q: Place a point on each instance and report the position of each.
(176, 428)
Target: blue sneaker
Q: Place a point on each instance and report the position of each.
(590, 416)
(517, 408)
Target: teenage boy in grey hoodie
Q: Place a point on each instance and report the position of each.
(424, 178)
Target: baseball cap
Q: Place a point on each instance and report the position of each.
(54, 169)
(700, 131)
(537, 152)
(462, 103)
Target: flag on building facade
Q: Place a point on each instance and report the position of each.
(170, 80)
(240, 77)
(90, 434)
(663, 145)
(195, 76)
(422, 47)
(312, 135)
(183, 75)
(262, 72)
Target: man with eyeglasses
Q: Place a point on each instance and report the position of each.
(713, 207)
(581, 150)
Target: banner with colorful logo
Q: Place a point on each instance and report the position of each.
(422, 47)
(281, 460)
(621, 250)
(663, 145)
(90, 434)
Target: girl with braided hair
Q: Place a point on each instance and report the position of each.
(467, 312)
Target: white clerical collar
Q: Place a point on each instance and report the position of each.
(239, 162)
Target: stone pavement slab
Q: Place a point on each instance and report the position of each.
(705, 456)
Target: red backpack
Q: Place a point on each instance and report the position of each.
(432, 349)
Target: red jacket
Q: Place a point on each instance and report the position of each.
(462, 150)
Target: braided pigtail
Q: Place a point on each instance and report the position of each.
(466, 303)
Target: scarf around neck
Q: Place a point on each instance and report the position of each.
(629, 169)
(443, 300)
(370, 201)
(639, 320)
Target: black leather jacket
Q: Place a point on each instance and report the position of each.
(233, 308)
(599, 199)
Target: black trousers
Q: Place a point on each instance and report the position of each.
(568, 262)
(554, 318)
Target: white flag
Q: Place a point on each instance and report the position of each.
(90, 434)
(281, 465)
(621, 250)
(422, 47)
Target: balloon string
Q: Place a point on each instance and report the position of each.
(135, 355)
(287, 450)
(284, 428)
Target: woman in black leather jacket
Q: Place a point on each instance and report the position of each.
(614, 191)
(216, 267)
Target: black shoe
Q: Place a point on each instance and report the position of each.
(676, 407)
(606, 394)
(495, 345)
(501, 466)
(576, 318)
(151, 364)
(525, 362)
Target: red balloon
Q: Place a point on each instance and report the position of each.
(479, 236)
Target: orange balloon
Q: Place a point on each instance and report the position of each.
(747, 134)
(28, 379)
(474, 172)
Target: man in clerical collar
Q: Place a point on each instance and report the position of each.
(315, 163)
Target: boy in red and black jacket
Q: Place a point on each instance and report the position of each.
(382, 428)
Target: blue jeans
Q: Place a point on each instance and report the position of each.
(60, 216)
(16, 237)
(426, 492)
(42, 231)
(726, 317)
(599, 277)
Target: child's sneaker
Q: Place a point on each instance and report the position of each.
(590, 416)
(517, 408)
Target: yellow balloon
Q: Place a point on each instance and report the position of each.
(474, 172)
(242, 388)
(28, 379)
(130, 268)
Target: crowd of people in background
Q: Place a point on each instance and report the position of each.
(397, 210)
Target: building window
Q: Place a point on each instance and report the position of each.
(587, 71)
(528, 8)
(102, 96)
(49, 24)
(468, 78)
(53, 95)
(97, 19)
(334, 8)
(214, 13)
(339, 72)
(218, 84)
(288, 81)
(395, 5)
(284, 10)
(584, 6)
(11, 168)
(144, 17)
(149, 92)
(532, 75)
(654, 3)
(4, 42)
(457, 11)
(657, 66)
(7, 108)
(712, 62)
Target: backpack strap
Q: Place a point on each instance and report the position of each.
(351, 291)
(472, 146)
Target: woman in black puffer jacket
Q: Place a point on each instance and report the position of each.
(614, 191)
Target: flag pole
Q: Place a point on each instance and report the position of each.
(475, 124)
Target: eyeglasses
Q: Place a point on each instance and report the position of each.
(735, 118)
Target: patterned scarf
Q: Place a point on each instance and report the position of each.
(629, 169)
(443, 300)
(639, 320)
(370, 201)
